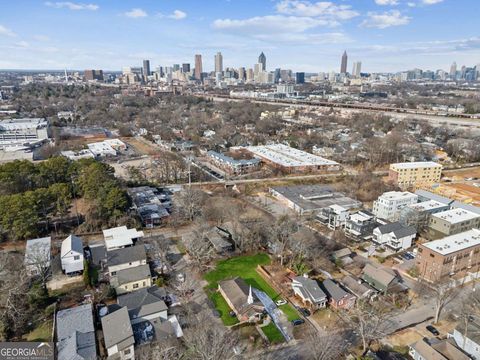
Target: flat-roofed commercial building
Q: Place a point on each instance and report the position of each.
(457, 254)
(292, 160)
(415, 174)
(23, 132)
(452, 222)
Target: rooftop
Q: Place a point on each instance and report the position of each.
(126, 255)
(455, 216)
(397, 195)
(117, 329)
(287, 156)
(120, 236)
(454, 243)
(132, 274)
(316, 197)
(413, 165)
(427, 205)
(144, 302)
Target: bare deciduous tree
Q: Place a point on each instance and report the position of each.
(442, 293)
(189, 203)
(325, 346)
(199, 247)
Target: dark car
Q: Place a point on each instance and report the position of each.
(305, 312)
(433, 330)
(298, 322)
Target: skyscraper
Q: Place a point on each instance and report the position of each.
(343, 67)
(198, 67)
(218, 63)
(186, 68)
(300, 78)
(453, 70)
(357, 68)
(241, 73)
(262, 59)
(146, 68)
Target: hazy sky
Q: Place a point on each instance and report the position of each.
(386, 35)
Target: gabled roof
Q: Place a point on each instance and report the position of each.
(378, 275)
(71, 243)
(126, 255)
(143, 302)
(334, 290)
(237, 291)
(117, 329)
(398, 229)
(309, 288)
(129, 275)
(76, 333)
(426, 351)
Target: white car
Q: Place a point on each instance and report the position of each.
(280, 302)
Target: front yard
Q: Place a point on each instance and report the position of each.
(244, 267)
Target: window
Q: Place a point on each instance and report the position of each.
(135, 286)
(126, 351)
(76, 257)
(113, 273)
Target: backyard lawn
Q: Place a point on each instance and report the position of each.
(272, 333)
(42, 333)
(244, 267)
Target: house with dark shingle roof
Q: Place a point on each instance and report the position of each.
(338, 298)
(382, 279)
(118, 335)
(76, 334)
(131, 279)
(145, 304)
(125, 258)
(394, 235)
(309, 292)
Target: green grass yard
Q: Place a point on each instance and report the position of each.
(272, 333)
(244, 267)
(41, 333)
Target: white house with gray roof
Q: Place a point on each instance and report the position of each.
(395, 235)
(309, 292)
(125, 258)
(71, 255)
(145, 304)
(131, 279)
(76, 334)
(118, 335)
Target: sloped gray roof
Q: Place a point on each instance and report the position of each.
(133, 274)
(432, 196)
(334, 290)
(117, 329)
(398, 229)
(310, 288)
(76, 333)
(126, 255)
(99, 253)
(144, 302)
(378, 274)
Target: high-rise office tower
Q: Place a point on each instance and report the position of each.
(357, 69)
(241, 73)
(250, 75)
(198, 67)
(186, 68)
(146, 68)
(218, 62)
(93, 75)
(277, 77)
(343, 67)
(262, 59)
(176, 67)
(453, 70)
(300, 78)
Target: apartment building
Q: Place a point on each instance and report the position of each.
(415, 174)
(451, 222)
(457, 255)
(389, 204)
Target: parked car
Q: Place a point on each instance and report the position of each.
(280, 302)
(298, 322)
(432, 329)
(305, 312)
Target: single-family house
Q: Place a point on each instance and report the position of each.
(309, 292)
(241, 299)
(120, 237)
(125, 258)
(468, 339)
(71, 255)
(118, 335)
(357, 287)
(382, 279)
(76, 334)
(337, 297)
(131, 279)
(436, 350)
(38, 255)
(343, 255)
(145, 304)
(395, 236)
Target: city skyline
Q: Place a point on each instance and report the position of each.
(303, 36)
